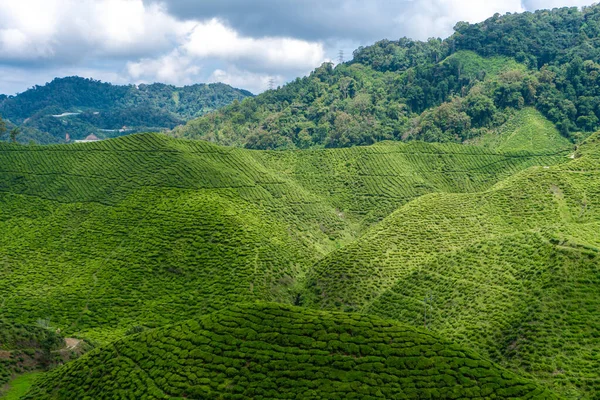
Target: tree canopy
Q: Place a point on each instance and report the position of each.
(79, 107)
(448, 90)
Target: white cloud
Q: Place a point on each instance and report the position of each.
(214, 39)
(436, 18)
(249, 62)
(549, 4)
(254, 82)
(66, 29)
(241, 42)
(153, 45)
(172, 68)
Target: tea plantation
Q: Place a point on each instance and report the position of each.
(527, 129)
(147, 230)
(512, 271)
(145, 244)
(267, 351)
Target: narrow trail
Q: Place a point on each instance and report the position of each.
(72, 343)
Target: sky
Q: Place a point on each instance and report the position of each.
(244, 43)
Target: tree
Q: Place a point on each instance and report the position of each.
(2, 126)
(481, 109)
(13, 134)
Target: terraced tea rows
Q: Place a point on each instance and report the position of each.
(527, 130)
(261, 351)
(369, 183)
(512, 272)
(442, 222)
(148, 230)
(526, 302)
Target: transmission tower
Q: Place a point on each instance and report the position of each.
(341, 57)
(271, 83)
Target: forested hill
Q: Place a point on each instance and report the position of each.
(80, 107)
(451, 90)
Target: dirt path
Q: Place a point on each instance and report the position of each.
(72, 343)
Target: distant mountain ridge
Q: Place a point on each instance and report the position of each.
(80, 106)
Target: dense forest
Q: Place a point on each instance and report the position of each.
(79, 107)
(450, 90)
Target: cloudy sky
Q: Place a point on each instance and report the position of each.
(241, 42)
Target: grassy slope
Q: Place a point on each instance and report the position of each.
(525, 301)
(20, 386)
(21, 346)
(274, 351)
(512, 271)
(148, 230)
(473, 64)
(528, 130)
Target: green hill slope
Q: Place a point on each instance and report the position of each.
(528, 130)
(451, 90)
(440, 222)
(274, 351)
(512, 271)
(472, 64)
(80, 107)
(24, 348)
(356, 104)
(526, 301)
(147, 230)
(368, 183)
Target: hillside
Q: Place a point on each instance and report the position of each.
(511, 271)
(527, 129)
(24, 348)
(80, 107)
(275, 351)
(147, 230)
(451, 90)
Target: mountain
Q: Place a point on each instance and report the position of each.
(275, 351)
(81, 107)
(451, 90)
(142, 231)
(115, 237)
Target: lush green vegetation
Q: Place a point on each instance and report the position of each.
(450, 90)
(262, 351)
(353, 104)
(511, 271)
(80, 107)
(525, 130)
(147, 230)
(19, 387)
(25, 347)
(146, 243)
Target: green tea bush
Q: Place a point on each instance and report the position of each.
(511, 271)
(147, 230)
(289, 362)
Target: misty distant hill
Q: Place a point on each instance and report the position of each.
(80, 106)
